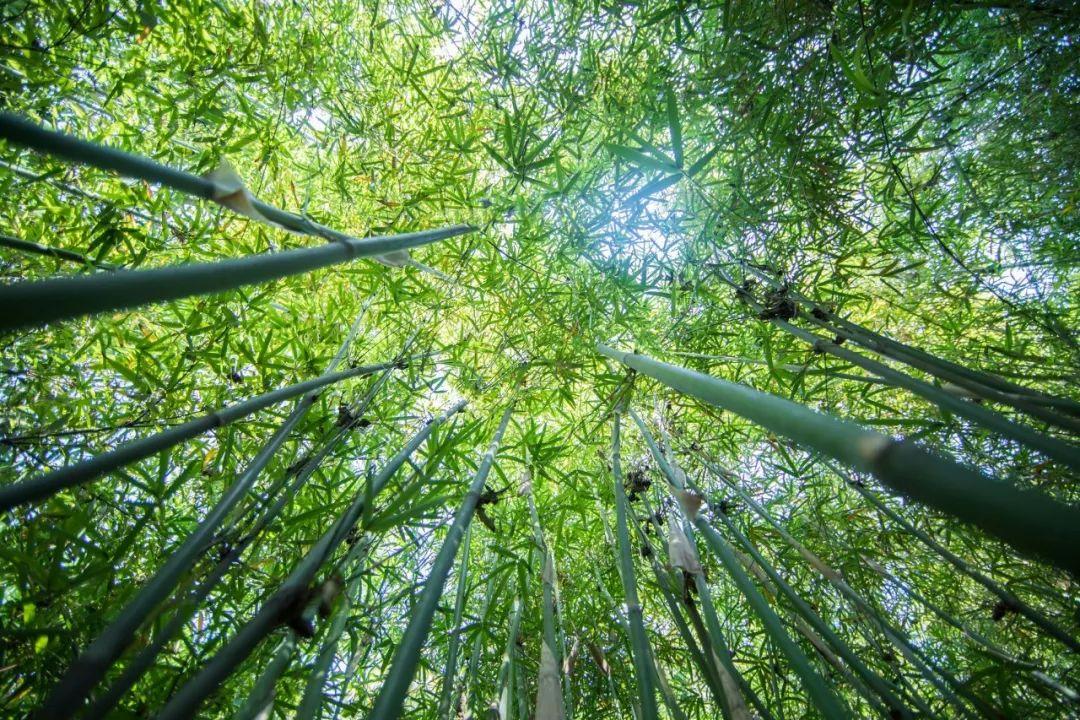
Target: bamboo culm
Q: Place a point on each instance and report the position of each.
(47, 484)
(190, 697)
(820, 694)
(88, 669)
(32, 304)
(1053, 448)
(102, 705)
(981, 383)
(1026, 519)
(450, 676)
(391, 698)
(638, 640)
(935, 676)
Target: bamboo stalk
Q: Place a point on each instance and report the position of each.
(391, 698)
(276, 609)
(941, 680)
(102, 705)
(887, 692)
(31, 304)
(1014, 602)
(260, 700)
(820, 694)
(449, 677)
(734, 685)
(1026, 519)
(90, 666)
(313, 691)
(49, 483)
(1059, 450)
(982, 383)
(638, 640)
(59, 253)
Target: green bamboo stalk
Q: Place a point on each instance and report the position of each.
(735, 688)
(449, 679)
(391, 698)
(20, 131)
(823, 648)
(312, 700)
(1059, 450)
(886, 690)
(1026, 519)
(261, 698)
(87, 670)
(1014, 602)
(49, 483)
(704, 661)
(934, 675)
(31, 304)
(979, 639)
(472, 705)
(982, 384)
(550, 637)
(102, 705)
(977, 378)
(277, 608)
(638, 640)
(820, 694)
(503, 707)
(59, 253)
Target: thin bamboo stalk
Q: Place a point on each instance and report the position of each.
(1052, 447)
(830, 705)
(60, 253)
(102, 705)
(887, 692)
(49, 483)
(943, 681)
(277, 608)
(87, 670)
(312, 700)
(391, 698)
(260, 700)
(1026, 519)
(981, 383)
(735, 688)
(1010, 599)
(978, 638)
(449, 680)
(638, 640)
(31, 304)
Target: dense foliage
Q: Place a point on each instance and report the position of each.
(636, 173)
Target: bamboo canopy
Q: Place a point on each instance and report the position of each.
(516, 360)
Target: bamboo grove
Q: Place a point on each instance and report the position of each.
(519, 360)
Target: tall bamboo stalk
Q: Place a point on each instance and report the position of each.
(279, 606)
(49, 483)
(820, 694)
(449, 680)
(391, 698)
(1007, 597)
(69, 694)
(59, 253)
(638, 640)
(1026, 519)
(31, 304)
(102, 705)
(943, 681)
(983, 384)
(313, 689)
(1059, 450)
(897, 708)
